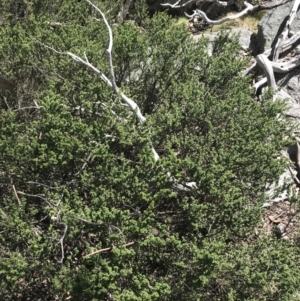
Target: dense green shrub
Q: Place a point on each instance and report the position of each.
(77, 174)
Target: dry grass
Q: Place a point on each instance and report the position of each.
(182, 21)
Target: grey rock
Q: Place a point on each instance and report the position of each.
(272, 25)
(281, 227)
(278, 191)
(291, 83)
(245, 38)
(293, 111)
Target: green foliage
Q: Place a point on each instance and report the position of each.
(78, 171)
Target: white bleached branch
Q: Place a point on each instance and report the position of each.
(220, 3)
(217, 2)
(260, 83)
(109, 49)
(177, 4)
(285, 32)
(283, 67)
(280, 67)
(155, 154)
(128, 101)
(286, 45)
(200, 13)
(265, 63)
(27, 108)
(61, 241)
(132, 104)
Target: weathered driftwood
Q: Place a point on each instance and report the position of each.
(281, 46)
(286, 45)
(201, 14)
(249, 8)
(179, 3)
(286, 29)
(278, 67)
(283, 67)
(265, 63)
(265, 5)
(259, 84)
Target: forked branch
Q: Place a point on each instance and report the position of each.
(265, 63)
(132, 104)
(107, 249)
(178, 4)
(286, 29)
(202, 14)
(61, 242)
(109, 49)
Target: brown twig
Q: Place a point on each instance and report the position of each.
(107, 249)
(16, 195)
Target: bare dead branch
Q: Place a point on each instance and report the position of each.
(294, 175)
(112, 111)
(286, 45)
(16, 195)
(265, 63)
(132, 104)
(128, 101)
(217, 2)
(27, 108)
(44, 185)
(260, 83)
(200, 13)
(280, 67)
(286, 29)
(107, 249)
(86, 162)
(177, 4)
(155, 154)
(284, 181)
(286, 66)
(220, 3)
(3, 213)
(55, 24)
(298, 155)
(61, 241)
(109, 49)
(7, 105)
(40, 196)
